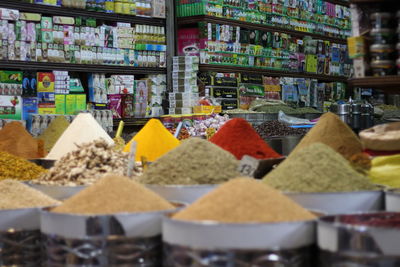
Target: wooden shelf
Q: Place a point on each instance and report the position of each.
(392, 82)
(132, 121)
(256, 26)
(74, 12)
(275, 73)
(24, 65)
(339, 2)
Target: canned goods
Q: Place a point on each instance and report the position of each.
(382, 36)
(381, 51)
(110, 6)
(118, 7)
(381, 20)
(383, 67)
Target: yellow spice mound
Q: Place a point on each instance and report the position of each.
(244, 200)
(114, 194)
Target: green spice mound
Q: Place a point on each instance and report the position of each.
(114, 194)
(53, 132)
(16, 195)
(195, 161)
(317, 168)
(244, 200)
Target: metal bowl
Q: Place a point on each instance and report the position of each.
(181, 193)
(392, 200)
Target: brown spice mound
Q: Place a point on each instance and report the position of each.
(331, 131)
(244, 200)
(15, 140)
(16, 195)
(114, 194)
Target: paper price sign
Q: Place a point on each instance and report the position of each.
(248, 165)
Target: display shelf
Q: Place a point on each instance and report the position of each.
(276, 73)
(339, 2)
(372, 1)
(23, 65)
(64, 11)
(248, 25)
(132, 121)
(384, 82)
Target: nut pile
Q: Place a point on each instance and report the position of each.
(275, 128)
(86, 165)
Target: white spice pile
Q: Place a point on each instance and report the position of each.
(16, 195)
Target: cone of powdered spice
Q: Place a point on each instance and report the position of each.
(53, 132)
(239, 138)
(16, 195)
(317, 168)
(114, 194)
(331, 131)
(244, 200)
(195, 161)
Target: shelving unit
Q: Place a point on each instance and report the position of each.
(195, 19)
(339, 2)
(131, 122)
(383, 82)
(276, 73)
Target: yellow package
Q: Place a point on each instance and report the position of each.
(385, 170)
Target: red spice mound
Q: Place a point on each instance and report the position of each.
(238, 137)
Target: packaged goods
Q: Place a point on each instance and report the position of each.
(85, 165)
(114, 194)
(385, 170)
(13, 167)
(383, 137)
(153, 141)
(317, 168)
(330, 130)
(16, 195)
(195, 161)
(275, 128)
(15, 140)
(83, 129)
(239, 138)
(244, 200)
(53, 132)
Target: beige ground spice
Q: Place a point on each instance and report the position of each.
(114, 194)
(16, 195)
(331, 131)
(244, 200)
(195, 161)
(317, 168)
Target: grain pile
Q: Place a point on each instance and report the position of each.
(276, 128)
(331, 131)
(13, 167)
(86, 165)
(16, 195)
(195, 161)
(114, 194)
(53, 132)
(244, 200)
(317, 168)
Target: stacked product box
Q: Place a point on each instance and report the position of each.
(120, 90)
(223, 89)
(158, 87)
(184, 84)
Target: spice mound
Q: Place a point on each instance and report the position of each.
(15, 140)
(53, 132)
(331, 131)
(276, 128)
(238, 137)
(385, 170)
(16, 195)
(114, 194)
(13, 167)
(195, 161)
(153, 141)
(86, 165)
(244, 200)
(317, 168)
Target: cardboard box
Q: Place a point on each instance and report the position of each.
(11, 107)
(207, 109)
(115, 104)
(60, 104)
(43, 111)
(70, 104)
(46, 82)
(80, 102)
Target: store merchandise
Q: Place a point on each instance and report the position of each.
(79, 40)
(119, 194)
(153, 141)
(84, 165)
(383, 137)
(157, 91)
(239, 138)
(275, 128)
(317, 168)
(16, 195)
(200, 162)
(83, 129)
(17, 168)
(330, 130)
(15, 140)
(385, 170)
(53, 132)
(320, 17)
(244, 200)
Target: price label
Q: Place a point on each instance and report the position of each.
(248, 165)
